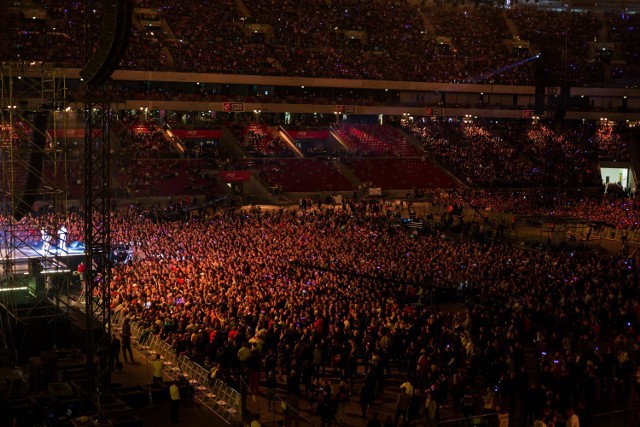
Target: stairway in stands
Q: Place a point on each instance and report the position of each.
(347, 173)
(428, 25)
(513, 30)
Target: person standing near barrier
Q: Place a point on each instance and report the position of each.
(342, 399)
(115, 353)
(402, 406)
(365, 399)
(572, 418)
(293, 395)
(126, 340)
(174, 392)
(430, 410)
(256, 421)
(158, 366)
(327, 409)
(271, 384)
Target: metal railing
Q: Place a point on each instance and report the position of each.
(546, 229)
(471, 421)
(623, 417)
(283, 407)
(219, 397)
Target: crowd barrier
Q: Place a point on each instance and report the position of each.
(484, 420)
(546, 229)
(215, 395)
(624, 417)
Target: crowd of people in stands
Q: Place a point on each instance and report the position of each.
(520, 154)
(477, 36)
(145, 148)
(260, 140)
(327, 303)
(611, 145)
(147, 140)
(569, 62)
(346, 39)
(472, 151)
(564, 153)
(625, 26)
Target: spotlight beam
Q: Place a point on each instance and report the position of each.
(508, 67)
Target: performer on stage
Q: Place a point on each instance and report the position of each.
(63, 234)
(46, 240)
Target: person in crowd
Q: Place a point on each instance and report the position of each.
(158, 366)
(174, 394)
(115, 353)
(402, 406)
(255, 422)
(125, 335)
(430, 408)
(572, 419)
(271, 384)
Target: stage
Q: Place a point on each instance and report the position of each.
(23, 258)
(42, 298)
(29, 275)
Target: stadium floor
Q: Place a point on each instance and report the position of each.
(194, 414)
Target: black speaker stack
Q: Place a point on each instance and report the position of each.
(114, 39)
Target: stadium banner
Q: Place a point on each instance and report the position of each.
(68, 133)
(197, 133)
(433, 111)
(232, 107)
(345, 109)
(375, 191)
(527, 114)
(235, 176)
(308, 134)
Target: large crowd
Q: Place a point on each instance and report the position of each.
(260, 140)
(571, 33)
(489, 154)
(320, 296)
(613, 207)
(623, 27)
(346, 39)
(480, 157)
(476, 38)
(329, 301)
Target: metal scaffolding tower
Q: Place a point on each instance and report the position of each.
(33, 172)
(97, 232)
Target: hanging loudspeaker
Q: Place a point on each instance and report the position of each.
(114, 38)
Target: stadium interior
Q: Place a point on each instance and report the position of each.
(319, 211)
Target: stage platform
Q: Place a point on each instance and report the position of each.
(23, 252)
(37, 283)
(33, 259)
